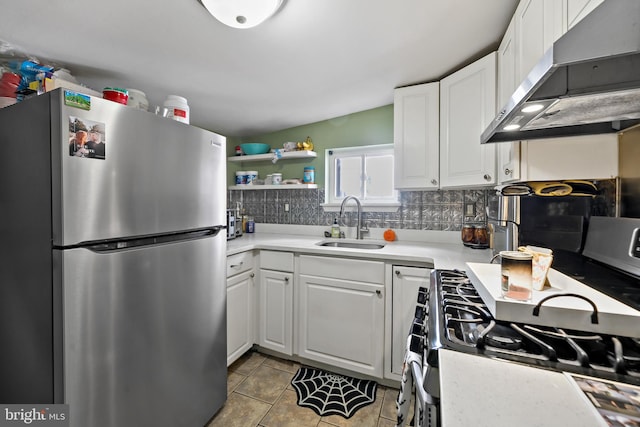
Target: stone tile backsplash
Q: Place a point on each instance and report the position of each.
(419, 210)
(442, 210)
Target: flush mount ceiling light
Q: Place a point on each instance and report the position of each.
(242, 13)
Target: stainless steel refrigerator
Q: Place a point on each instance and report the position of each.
(112, 293)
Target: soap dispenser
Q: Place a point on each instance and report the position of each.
(335, 228)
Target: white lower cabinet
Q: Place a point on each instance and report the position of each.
(405, 285)
(276, 301)
(240, 297)
(341, 313)
(240, 305)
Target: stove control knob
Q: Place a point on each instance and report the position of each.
(416, 328)
(416, 344)
(422, 298)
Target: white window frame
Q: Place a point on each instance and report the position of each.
(332, 203)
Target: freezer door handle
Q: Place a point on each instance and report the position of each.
(119, 244)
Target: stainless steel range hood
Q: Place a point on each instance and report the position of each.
(588, 82)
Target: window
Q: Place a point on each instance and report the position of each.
(365, 172)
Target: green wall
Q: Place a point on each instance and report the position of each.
(363, 128)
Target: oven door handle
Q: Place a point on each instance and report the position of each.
(418, 384)
(594, 315)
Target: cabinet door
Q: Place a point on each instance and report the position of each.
(578, 9)
(508, 162)
(406, 282)
(342, 323)
(507, 72)
(508, 152)
(276, 311)
(416, 134)
(538, 23)
(467, 105)
(240, 309)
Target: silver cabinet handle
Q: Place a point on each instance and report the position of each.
(286, 280)
(237, 265)
(487, 177)
(252, 275)
(434, 181)
(507, 171)
(398, 273)
(378, 292)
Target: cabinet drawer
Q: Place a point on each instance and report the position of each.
(239, 263)
(339, 268)
(274, 260)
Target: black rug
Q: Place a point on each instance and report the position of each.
(332, 394)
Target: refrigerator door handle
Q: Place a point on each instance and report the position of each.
(119, 244)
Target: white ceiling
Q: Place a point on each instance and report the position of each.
(313, 60)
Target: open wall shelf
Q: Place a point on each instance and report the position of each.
(304, 154)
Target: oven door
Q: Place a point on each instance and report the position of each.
(415, 371)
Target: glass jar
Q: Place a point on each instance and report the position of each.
(467, 234)
(480, 236)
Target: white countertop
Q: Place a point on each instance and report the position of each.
(443, 254)
(480, 391)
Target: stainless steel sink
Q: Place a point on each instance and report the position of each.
(352, 245)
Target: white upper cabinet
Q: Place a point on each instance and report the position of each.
(508, 152)
(578, 9)
(507, 70)
(416, 134)
(467, 105)
(509, 162)
(538, 23)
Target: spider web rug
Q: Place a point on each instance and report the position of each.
(331, 394)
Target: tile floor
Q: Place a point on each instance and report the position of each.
(260, 395)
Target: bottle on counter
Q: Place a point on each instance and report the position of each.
(243, 219)
(335, 228)
(250, 225)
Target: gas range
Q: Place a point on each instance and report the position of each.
(450, 314)
(459, 320)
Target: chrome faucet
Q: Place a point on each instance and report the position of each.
(359, 228)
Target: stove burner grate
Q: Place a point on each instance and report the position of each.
(464, 323)
(498, 336)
